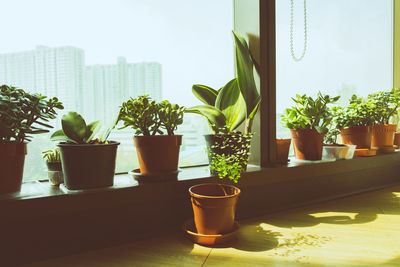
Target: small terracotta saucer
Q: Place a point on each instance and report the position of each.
(208, 240)
(143, 178)
(365, 152)
(386, 149)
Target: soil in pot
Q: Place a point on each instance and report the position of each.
(215, 142)
(12, 158)
(54, 172)
(158, 153)
(383, 135)
(282, 150)
(307, 144)
(88, 166)
(358, 135)
(214, 207)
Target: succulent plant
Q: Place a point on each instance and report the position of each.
(147, 117)
(52, 155)
(23, 114)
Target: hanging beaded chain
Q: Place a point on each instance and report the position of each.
(291, 32)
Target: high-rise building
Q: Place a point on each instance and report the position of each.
(49, 71)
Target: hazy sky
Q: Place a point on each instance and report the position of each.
(190, 38)
(349, 46)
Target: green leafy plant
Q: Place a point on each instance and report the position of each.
(331, 136)
(74, 130)
(52, 155)
(23, 114)
(385, 104)
(235, 102)
(309, 113)
(233, 161)
(147, 117)
(359, 112)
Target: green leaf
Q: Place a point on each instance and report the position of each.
(91, 130)
(245, 76)
(231, 103)
(59, 136)
(205, 94)
(74, 127)
(213, 115)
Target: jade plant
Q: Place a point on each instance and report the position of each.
(74, 130)
(147, 117)
(359, 112)
(385, 105)
(310, 113)
(23, 114)
(237, 101)
(52, 156)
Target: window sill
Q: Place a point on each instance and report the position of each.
(67, 223)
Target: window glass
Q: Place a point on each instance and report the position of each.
(349, 50)
(94, 54)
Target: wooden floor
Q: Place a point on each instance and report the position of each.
(363, 230)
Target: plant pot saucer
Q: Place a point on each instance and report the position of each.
(144, 178)
(208, 240)
(65, 190)
(365, 152)
(385, 149)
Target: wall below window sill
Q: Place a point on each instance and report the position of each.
(42, 221)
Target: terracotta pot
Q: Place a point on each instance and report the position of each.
(358, 135)
(383, 135)
(214, 207)
(212, 140)
(397, 139)
(307, 144)
(282, 150)
(158, 153)
(12, 158)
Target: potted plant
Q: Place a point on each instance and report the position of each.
(87, 162)
(237, 102)
(331, 150)
(355, 122)
(54, 167)
(21, 115)
(158, 153)
(308, 122)
(385, 104)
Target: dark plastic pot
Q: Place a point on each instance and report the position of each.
(88, 166)
(213, 143)
(12, 158)
(307, 144)
(158, 153)
(358, 135)
(214, 207)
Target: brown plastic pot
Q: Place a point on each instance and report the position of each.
(12, 158)
(397, 139)
(214, 207)
(358, 135)
(158, 153)
(383, 135)
(282, 150)
(307, 144)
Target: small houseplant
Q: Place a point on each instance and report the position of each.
(54, 167)
(385, 105)
(157, 152)
(308, 122)
(87, 162)
(225, 110)
(334, 151)
(355, 122)
(21, 115)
